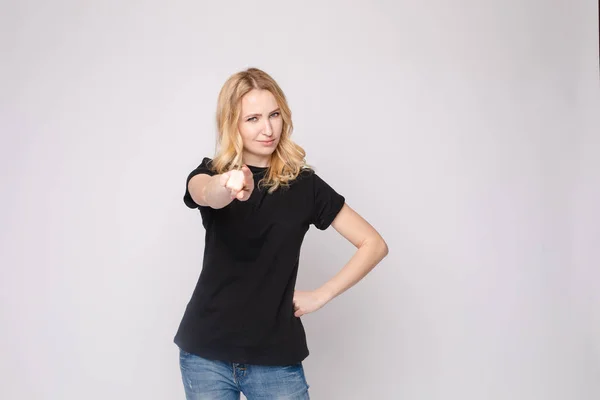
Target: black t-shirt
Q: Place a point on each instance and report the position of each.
(242, 307)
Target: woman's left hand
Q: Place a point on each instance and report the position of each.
(307, 301)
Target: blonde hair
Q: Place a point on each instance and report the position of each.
(288, 159)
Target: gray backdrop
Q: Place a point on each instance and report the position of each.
(465, 131)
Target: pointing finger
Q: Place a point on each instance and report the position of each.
(247, 172)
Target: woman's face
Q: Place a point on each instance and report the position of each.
(260, 126)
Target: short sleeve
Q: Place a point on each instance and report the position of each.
(203, 168)
(327, 203)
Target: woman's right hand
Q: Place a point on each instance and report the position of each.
(239, 182)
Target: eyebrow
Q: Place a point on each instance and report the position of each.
(258, 114)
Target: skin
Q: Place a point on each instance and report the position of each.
(260, 121)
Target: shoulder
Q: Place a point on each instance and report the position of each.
(310, 179)
(306, 172)
(205, 167)
(312, 176)
(305, 177)
(207, 162)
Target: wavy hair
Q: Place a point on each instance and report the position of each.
(288, 159)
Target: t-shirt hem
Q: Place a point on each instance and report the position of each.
(334, 212)
(254, 356)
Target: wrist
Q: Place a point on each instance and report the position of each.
(325, 293)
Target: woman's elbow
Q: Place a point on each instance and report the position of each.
(380, 246)
(385, 250)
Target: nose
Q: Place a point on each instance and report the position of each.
(268, 131)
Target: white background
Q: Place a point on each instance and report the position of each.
(466, 132)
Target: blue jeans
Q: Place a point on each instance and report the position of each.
(211, 379)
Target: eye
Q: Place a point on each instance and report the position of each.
(252, 119)
(275, 114)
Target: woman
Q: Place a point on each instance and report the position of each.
(241, 331)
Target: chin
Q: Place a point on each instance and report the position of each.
(266, 152)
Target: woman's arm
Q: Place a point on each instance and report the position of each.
(208, 191)
(218, 191)
(371, 249)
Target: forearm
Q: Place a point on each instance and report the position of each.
(366, 257)
(215, 194)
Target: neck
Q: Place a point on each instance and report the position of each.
(256, 161)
